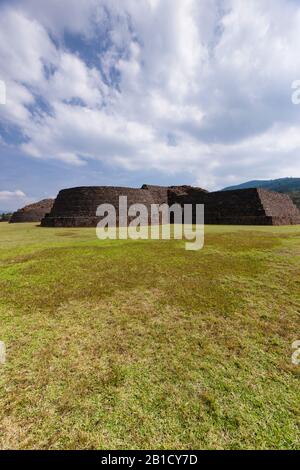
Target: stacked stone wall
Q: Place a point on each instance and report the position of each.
(77, 207)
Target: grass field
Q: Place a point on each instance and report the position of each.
(143, 345)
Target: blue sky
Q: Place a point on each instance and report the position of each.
(110, 92)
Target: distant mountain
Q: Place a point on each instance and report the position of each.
(295, 195)
(290, 186)
(282, 185)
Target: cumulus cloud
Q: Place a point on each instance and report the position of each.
(11, 195)
(181, 87)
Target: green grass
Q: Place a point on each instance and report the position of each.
(143, 345)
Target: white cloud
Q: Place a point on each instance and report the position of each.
(72, 79)
(11, 195)
(178, 86)
(57, 16)
(25, 47)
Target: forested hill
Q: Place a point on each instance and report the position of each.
(290, 186)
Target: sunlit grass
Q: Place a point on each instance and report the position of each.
(141, 344)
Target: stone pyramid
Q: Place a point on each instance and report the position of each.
(32, 213)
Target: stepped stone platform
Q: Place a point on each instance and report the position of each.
(33, 212)
(244, 207)
(250, 207)
(76, 207)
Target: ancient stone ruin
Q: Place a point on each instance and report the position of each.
(250, 207)
(77, 207)
(238, 207)
(175, 194)
(32, 213)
